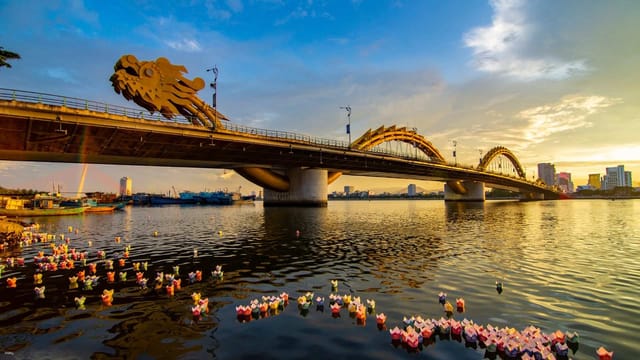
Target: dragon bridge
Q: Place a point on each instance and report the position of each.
(501, 150)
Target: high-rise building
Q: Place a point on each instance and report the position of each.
(349, 189)
(547, 173)
(594, 181)
(627, 179)
(412, 190)
(125, 186)
(616, 176)
(564, 182)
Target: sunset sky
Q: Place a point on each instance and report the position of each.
(553, 81)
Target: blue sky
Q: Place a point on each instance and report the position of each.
(553, 81)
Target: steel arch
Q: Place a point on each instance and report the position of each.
(501, 150)
(372, 138)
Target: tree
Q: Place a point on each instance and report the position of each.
(7, 55)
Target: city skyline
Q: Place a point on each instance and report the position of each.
(481, 74)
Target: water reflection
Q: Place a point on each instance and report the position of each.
(400, 253)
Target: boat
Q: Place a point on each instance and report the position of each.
(218, 197)
(39, 206)
(244, 199)
(168, 200)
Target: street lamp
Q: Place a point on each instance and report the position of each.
(348, 108)
(455, 160)
(214, 86)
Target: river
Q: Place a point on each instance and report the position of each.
(565, 265)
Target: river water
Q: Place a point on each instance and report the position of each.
(565, 265)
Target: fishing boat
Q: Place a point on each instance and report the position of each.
(39, 206)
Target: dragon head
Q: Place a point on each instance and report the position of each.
(157, 86)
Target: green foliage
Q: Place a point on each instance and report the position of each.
(7, 55)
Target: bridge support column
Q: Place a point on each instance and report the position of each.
(474, 192)
(308, 187)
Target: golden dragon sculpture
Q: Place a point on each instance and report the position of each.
(161, 86)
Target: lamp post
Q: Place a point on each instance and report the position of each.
(214, 86)
(455, 160)
(348, 108)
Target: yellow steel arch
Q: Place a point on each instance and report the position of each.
(372, 138)
(501, 150)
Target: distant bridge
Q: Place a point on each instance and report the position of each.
(45, 127)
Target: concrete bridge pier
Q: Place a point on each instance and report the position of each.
(307, 187)
(464, 191)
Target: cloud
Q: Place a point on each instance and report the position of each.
(502, 47)
(184, 44)
(568, 114)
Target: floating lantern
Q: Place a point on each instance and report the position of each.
(396, 333)
(217, 273)
(121, 262)
(442, 297)
(448, 308)
(195, 252)
(334, 285)
(195, 311)
(88, 284)
(123, 276)
(460, 305)
(136, 266)
(170, 290)
(111, 276)
(79, 301)
(142, 283)
(176, 270)
(499, 287)
(603, 354)
(108, 264)
(381, 319)
(192, 277)
(177, 284)
(73, 282)
(37, 278)
(198, 275)
(107, 297)
(195, 297)
(145, 266)
(572, 337)
(335, 309)
(371, 305)
(285, 297)
(39, 292)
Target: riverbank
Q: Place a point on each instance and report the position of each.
(10, 232)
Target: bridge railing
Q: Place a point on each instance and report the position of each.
(82, 104)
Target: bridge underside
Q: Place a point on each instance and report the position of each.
(55, 134)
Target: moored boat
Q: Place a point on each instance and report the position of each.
(39, 206)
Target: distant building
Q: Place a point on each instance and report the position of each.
(412, 190)
(564, 182)
(616, 176)
(594, 181)
(547, 173)
(349, 189)
(125, 186)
